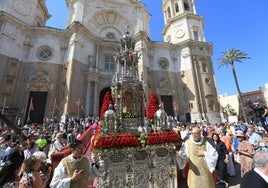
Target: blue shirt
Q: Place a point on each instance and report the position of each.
(254, 138)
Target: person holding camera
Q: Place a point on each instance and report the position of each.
(31, 175)
(45, 168)
(265, 117)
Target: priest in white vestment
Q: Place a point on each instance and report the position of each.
(75, 170)
(201, 157)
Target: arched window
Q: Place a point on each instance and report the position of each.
(177, 7)
(110, 35)
(211, 105)
(169, 13)
(186, 5)
(204, 67)
(196, 37)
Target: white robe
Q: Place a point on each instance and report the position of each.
(60, 180)
(210, 155)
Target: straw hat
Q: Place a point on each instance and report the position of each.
(240, 133)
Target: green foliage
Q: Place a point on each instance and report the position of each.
(228, 111)
(142, 139)
(231, 56)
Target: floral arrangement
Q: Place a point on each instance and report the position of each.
(105, 104)
(128, 140)
(153, 105)
(116, 141)
(162, 137)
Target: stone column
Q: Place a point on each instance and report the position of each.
(88, 108)
(95, 99)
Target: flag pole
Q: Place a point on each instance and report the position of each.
(29, 110)
(4, 105)
(78, 106)
(54, 106)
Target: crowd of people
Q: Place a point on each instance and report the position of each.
(26, 156)
(207, 157)
(213, 150)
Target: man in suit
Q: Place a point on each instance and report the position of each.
(257, 177)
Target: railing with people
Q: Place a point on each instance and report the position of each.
(85, 137)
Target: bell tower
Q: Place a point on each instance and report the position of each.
(181, 21)
(185, 28)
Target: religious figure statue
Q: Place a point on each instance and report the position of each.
(110, 119)
(160, 118)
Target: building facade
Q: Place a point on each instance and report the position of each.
(48, 72)
(251, 101)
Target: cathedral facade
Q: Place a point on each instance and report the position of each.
(47, 72)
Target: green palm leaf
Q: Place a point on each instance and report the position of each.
(229, 57)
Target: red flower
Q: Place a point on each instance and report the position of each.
(128, 140)
(161, 138)
(116, 141)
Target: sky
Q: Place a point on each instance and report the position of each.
(239, 24)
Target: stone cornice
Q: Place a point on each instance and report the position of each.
(170, 21)
(44, 7)
(77, 26)
(141, 35)
(11, 19)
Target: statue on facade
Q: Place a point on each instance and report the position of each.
(110, 119)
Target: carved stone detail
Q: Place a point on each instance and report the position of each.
(164, 87)
(21, 8)
(152, 166)
(39, 82)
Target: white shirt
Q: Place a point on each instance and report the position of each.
(58, 145)
(27, 154)
(184, 135)
(261, 174)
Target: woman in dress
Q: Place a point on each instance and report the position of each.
(245, 151)
(221, 166)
